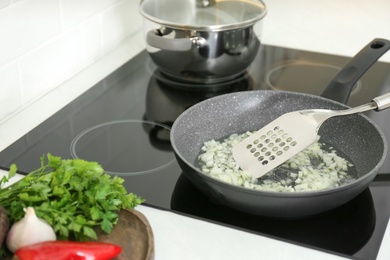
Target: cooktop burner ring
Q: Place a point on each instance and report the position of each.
(124, 156)
(304, 76)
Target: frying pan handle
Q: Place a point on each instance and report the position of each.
(339, 89)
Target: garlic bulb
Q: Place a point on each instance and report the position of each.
(29, 230)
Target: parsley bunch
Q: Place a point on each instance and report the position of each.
(73, 196)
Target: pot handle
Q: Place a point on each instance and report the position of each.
(154, 39)
(339, 89)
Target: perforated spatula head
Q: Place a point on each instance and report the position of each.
(275, 143)
(289, 134)
(292, 132)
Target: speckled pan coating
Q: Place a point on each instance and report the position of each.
(215, 118)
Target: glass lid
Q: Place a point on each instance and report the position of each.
(206, 15)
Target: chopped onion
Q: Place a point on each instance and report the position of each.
(295, 175)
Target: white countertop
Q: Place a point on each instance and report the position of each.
(332, 26)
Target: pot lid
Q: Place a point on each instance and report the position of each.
(206, 15)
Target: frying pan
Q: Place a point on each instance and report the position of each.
(216, 118)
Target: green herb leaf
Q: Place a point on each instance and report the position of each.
(12, 171)
(89, 232)
(73, 196)
(106, 225)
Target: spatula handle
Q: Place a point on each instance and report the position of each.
(379, 103)
(339, 89)
(382, 102)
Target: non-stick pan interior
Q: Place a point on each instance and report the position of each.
(216, 118)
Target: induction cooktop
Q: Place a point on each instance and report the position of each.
(123, 122)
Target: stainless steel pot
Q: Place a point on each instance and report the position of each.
(202, 41)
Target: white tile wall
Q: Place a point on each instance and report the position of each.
(122, 17)
(10, 95)
(45, 42)
(4, 3)
(27, 25)
(58, 59)
(75, 11)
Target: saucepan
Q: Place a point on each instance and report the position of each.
(356, 136)
(202, 41)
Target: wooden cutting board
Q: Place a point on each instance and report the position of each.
(133, 233)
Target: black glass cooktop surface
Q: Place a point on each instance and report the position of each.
(123, 123)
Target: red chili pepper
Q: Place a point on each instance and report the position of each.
(68, 250)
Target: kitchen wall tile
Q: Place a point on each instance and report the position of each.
(27, 25)
(10, 97)
(45, 42)
(119, 22)
(75, 11)
(53, 63)
(4, 3)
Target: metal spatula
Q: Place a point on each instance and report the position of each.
(289, 134)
